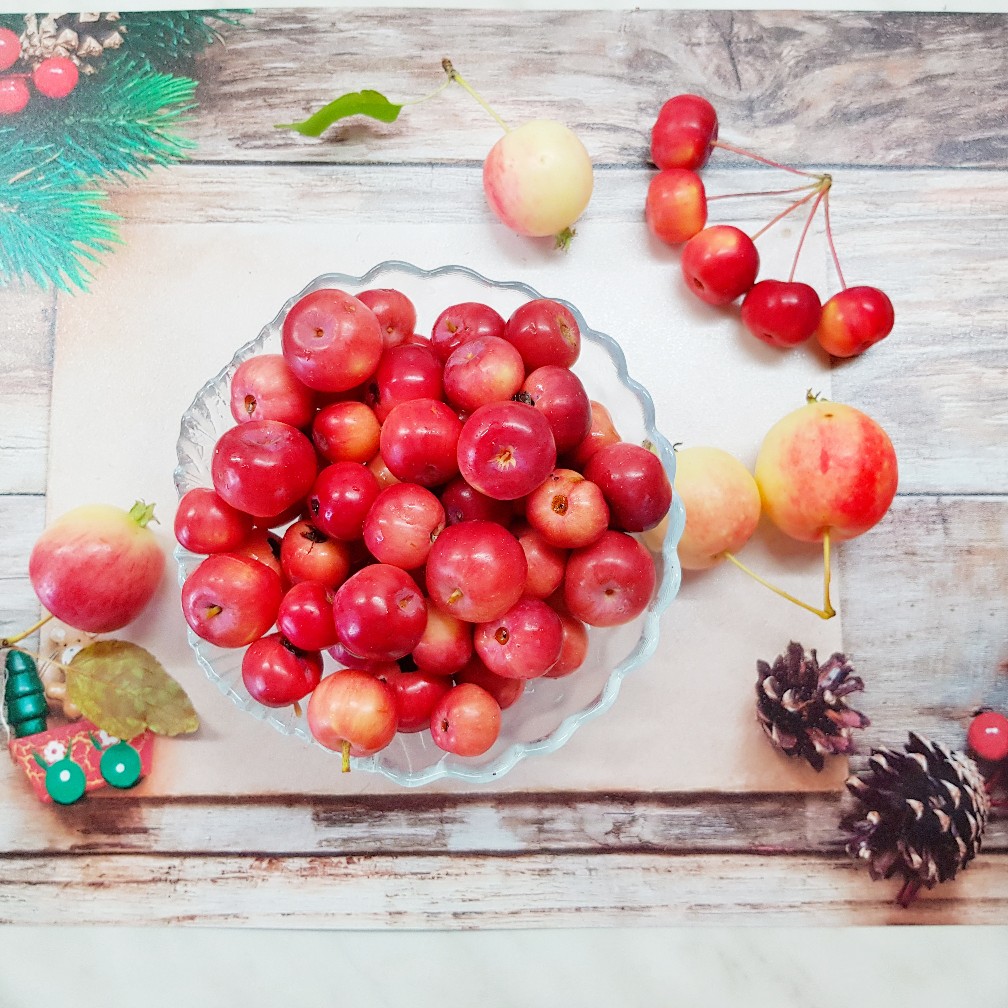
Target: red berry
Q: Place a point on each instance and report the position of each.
(988, 736)
(10, 48)
(720, 264)
(14, 95)
(782, 313)
(55, 77)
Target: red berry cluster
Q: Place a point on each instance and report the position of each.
(445, 515)
(720, 262)
(54, 77)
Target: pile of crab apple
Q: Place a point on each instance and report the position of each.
(445, 516)
(720, 262)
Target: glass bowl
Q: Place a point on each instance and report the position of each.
(550, 710)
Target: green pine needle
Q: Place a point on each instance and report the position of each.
(168, 38)
(51, 230)
(119, 122)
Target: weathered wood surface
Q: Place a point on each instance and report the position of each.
(923, 596)
(422, 891)
(819, 88)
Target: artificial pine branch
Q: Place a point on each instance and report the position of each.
(121, 122)
(51, 229)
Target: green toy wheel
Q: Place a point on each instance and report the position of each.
(120, 765)
(65, 782)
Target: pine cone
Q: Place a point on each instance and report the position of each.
(802, 705)
(80, 37)
(922, 814)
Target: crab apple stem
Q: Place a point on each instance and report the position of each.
(732, 149)
(787, 210)
(6, 642)
(763, 192)
(345, 752)
(808, 223)
(454, 75)
(826, 612)
(830, 243)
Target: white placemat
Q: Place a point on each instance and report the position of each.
(172, 306)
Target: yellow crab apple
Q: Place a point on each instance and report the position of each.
(722, 505)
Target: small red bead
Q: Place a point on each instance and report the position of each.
(55, 77)
(10, 48)
(14, 95)
(987, 737)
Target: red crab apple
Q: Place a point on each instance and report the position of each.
(610, 582)
(676, 205)
(826, 469)
(538, 178)
(97, 567)
(559, 394)
(402, 523)
(720, 264)
(504, 690)
(853, 320)
(483, 370)
(346, 431)
(379, 613)
(446, 644)
(205, 523)
(419, 442)
(467, 720)
(634, 483)
(264, 388)
(601, 432)
(722, 504)
(524, 643)
(684, 133)
(782, 313)
(574, 647)
(506, 449)
(263, 467)
(416, 694)
(476, 571)
(305, 616)
(331, 340)
(308, 554)
(230, 600)
(544, 332)
(459, 323)
(395, 312)
(403, 373)
(276, 673)
(567, 510)
(353, 712)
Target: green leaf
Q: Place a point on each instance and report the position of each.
(124, 689)
(368, 103)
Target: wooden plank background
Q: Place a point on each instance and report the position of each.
(909, 112)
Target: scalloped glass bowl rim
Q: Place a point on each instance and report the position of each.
(670, 570)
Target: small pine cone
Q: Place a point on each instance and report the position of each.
(921, 813)
(83, 38)
(802, 705)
